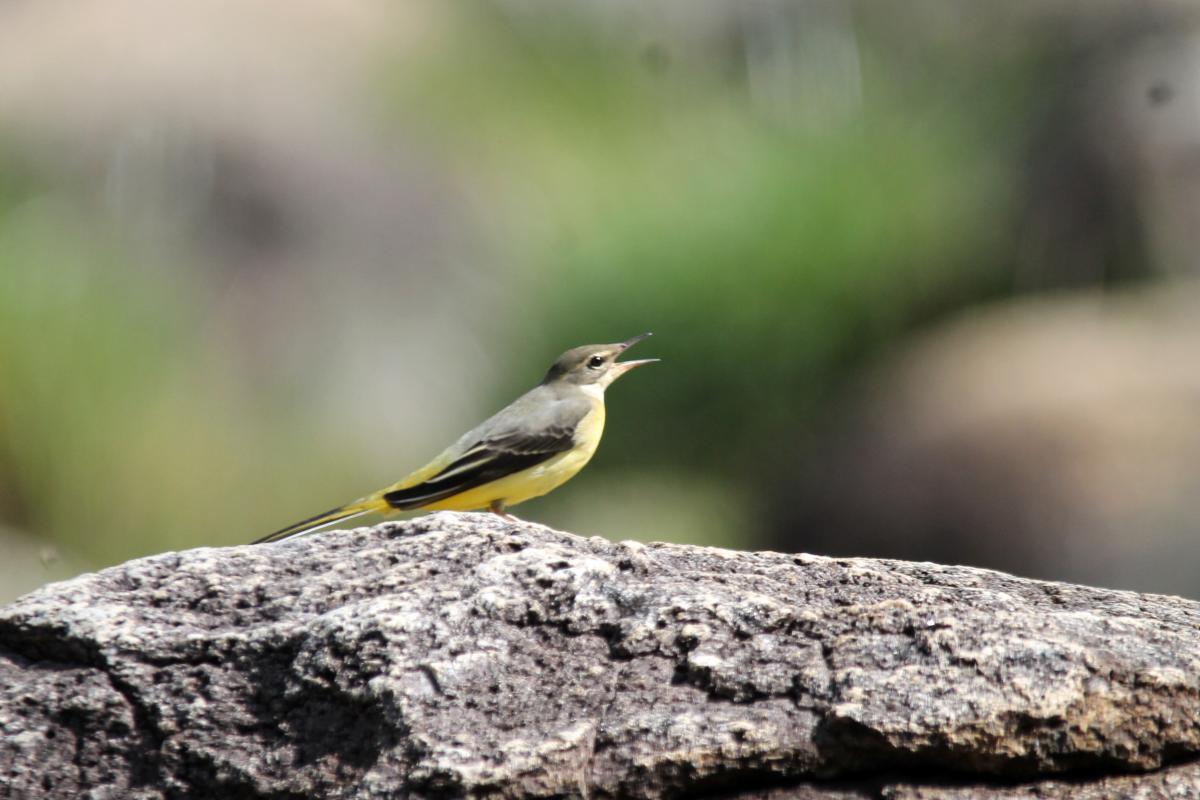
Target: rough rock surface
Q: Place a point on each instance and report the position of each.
(463, 654)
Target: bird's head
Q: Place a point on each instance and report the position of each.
(595, 364)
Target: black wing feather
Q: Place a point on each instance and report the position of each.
(490, 460)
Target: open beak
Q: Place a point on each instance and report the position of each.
(621, 367)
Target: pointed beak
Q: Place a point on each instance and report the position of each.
(631, 342)
(621, 367)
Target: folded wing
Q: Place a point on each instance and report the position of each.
(508, 444)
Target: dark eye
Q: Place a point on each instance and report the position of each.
(596, 362)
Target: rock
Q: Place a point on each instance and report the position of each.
(463, 654)
(1032, 436)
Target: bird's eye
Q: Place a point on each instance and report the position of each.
(596, 362)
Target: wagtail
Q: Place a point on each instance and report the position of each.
(535, 444)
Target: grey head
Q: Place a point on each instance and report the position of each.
(594, 364)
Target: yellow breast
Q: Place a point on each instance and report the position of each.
(537, 480)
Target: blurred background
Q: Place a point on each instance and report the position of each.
(923, 276)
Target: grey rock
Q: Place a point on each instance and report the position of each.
(463, 654)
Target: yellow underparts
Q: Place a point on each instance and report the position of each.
(537, 480)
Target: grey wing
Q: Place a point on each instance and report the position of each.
(534, 428)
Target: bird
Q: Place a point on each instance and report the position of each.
(530, 447)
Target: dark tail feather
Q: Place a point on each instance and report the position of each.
(329, 517)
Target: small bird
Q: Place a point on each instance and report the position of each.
(535, 444)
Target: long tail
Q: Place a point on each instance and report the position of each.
(356, 509)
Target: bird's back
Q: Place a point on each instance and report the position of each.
(545, 410)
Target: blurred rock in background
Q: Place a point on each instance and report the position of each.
(1056, 437)
(28, 563)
